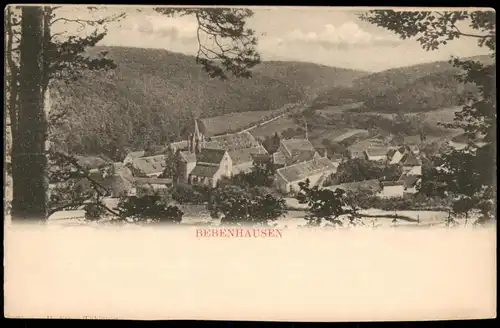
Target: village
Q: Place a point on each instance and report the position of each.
(203, 161)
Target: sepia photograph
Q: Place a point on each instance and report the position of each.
(299, 138)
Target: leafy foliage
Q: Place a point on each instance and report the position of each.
(94, 212)
(325, 204)
(254, 206)
(466, 174)
(149, 208)
(418, 88)
(190, 194)
(233, 45)
(359, 169)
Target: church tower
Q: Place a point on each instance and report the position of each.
(198, 138)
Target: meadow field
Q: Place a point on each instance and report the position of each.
(277, 126)
(235, 121)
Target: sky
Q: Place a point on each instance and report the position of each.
(328, 36)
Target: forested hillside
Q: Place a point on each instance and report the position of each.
(421, 87)
(153, 95)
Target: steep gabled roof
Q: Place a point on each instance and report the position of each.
(303, 170)
(209, 155)
(279, 158)
(231, 142)
(410, 159)
(245, 155)
(391, 152)
(409, 180)
(202, 170)
(302, 156)
(296, 144)
(376, 151)
(150, 164)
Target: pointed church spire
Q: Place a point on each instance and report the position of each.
(196, 129)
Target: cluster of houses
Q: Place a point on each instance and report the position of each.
(205, 160)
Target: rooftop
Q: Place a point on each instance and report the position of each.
(410, 159)
(210, 155)
(245, 155)
(409, 180)
(151, 164)
(295, 144)
(279, 158)
(232, 141)
(303, 170)
(299, 156)
(379, 151)
(201, 170)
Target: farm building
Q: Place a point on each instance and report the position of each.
(411, 183)
(119, 181)
(132, 156)
(316, 170)
(396, 154)
(378, 154)
(293, 151)
(243, 159)
(411, 164)
(357, 150)
(391, 189)
(151, 166)
(210, 166)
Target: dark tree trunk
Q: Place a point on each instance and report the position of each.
(29, 158)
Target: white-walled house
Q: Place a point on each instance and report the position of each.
(411, 164)
(211, 166)
(317, 171)
(376, 154)
(392, 189)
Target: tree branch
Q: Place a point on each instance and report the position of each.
(460, 32)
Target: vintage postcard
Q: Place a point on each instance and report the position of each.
(250, 163)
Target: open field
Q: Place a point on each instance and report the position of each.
(235, 121)
(340, 108)
(444, 115)
(271, 128)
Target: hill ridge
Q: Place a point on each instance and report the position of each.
(153, 94)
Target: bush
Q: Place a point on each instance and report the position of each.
(93, 212)
(192, 194)
(236, 205)
(365, 200)
(149, 208)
